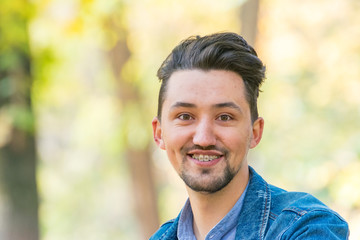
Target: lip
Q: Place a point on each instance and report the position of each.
(205, 152)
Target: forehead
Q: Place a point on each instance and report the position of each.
(205, 87)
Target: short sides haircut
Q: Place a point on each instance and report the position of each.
(219, 51)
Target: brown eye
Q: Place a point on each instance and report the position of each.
(224, 118)
(185, 117)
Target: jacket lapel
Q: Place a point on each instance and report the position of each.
(256, 209)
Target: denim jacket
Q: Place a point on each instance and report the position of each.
(271, 213)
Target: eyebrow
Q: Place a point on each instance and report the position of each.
(218, 105)
(228, 105)
(183, 104)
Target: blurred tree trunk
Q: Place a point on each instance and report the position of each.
(18, 198)
(249, 19)
(138, 157)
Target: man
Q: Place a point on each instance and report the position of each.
(207, 122)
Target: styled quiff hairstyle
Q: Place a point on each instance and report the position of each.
(219, 51)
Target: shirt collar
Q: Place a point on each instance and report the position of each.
(185, 227)
(226, 226)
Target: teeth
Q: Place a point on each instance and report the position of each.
(204, 158)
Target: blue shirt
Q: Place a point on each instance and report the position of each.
(224, 230)
(269, 213)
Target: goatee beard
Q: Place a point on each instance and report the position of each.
(214, 186)
(196, 183)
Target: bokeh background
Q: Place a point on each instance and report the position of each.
(78, 91)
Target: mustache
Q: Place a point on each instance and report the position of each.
(184, 150)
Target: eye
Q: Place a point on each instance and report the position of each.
(224, 117)
(185, 117)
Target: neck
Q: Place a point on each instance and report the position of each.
(208, 209)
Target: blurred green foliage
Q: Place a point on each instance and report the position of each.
(15, 66)
(18, 192)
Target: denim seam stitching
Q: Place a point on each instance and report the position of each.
(266, 209)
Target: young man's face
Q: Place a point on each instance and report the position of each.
(206, 127)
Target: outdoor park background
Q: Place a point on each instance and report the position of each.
(78, 91)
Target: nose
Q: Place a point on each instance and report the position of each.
(204, 134)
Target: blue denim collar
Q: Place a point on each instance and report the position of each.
(257, 197)
(269, 212)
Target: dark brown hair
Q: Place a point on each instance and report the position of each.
(219, 51)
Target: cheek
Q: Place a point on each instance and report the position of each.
(174, 157)
(174, 142)
(176, 138)
(236, 140)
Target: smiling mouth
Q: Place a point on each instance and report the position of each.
(204, 158)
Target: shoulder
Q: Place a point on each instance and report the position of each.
(299, 201)
(166, 230)
(299, 215)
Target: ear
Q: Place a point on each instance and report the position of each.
(157, 133)
(258, 127)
